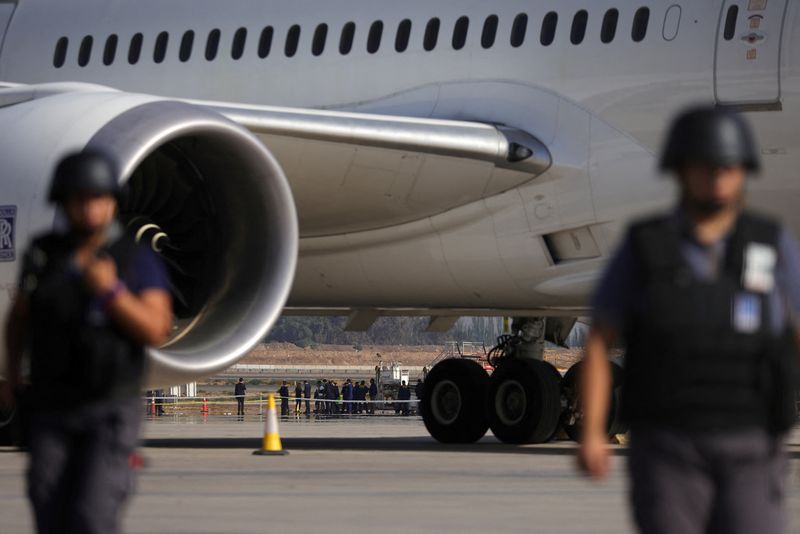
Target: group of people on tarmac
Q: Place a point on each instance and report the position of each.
(353, 397)
(327, 396)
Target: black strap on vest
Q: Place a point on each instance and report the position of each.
(687, 366)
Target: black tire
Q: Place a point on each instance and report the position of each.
(9, 427)
(524, 401)
(571, 420)
(453, 401)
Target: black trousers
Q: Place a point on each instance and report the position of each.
(79, 474)
(240, 406)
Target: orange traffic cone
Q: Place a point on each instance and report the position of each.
(204, 409)
(271, 446)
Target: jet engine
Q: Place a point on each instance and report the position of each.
(202, 191)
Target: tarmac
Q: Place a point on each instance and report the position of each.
(353, 475)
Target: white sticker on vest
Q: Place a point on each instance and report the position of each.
(759, 268)
(746, 313)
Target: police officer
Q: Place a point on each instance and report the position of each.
(90, 301)
(347, 396)
(704, 299)
(307, 396)
(283, 393)
(373, 394)
(239, 392)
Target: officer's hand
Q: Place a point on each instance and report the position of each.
(594, 457)
(100, 275)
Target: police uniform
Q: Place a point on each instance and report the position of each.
(86, 378)
(710, 354)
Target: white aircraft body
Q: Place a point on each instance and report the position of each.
(366, 157)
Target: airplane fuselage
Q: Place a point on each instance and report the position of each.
(600, 107)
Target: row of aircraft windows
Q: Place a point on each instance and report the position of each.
(488, 36)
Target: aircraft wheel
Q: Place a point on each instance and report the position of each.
(9, 426)
(524, 401)
(572, 415)
(452, 404)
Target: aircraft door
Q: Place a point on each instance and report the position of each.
(747, 66)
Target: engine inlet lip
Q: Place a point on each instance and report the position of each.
(137, 133)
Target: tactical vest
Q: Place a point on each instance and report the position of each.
(78, 354)
(701, 355)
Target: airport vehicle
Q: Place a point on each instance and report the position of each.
(366, 157)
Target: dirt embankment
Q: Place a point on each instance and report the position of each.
(289, 354)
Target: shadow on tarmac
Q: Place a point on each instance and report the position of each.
(394, 444)
(369, 444)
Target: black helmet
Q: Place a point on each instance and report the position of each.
(710, 135)
(88, 171)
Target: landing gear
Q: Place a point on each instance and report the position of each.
(453, 404)
(524, 402)
(572, 416)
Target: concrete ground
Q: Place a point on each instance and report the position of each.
(379, 474)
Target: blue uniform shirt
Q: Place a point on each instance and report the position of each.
(616, 297)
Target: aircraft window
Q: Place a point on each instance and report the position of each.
(239, 40)
(374, 38)
(212, 45)
(460, 33)
(135, 50)
(578, 31)
(187, 41)
(730, 22)
(292, 40)
(403, 34)
(85, 52)
(320, 36)
(160, 50)
(609, 29)
(549, 28)
(489, 31)
(431, 34)
(640, 21)
(519, 29)
(265, 42)
(110, 49)
(60, 55)
(346, 41)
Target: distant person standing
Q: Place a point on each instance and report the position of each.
(307, 396)
(404, 395)
(319, 395)
(298, 397)
(238, 392)
(419, 391)
(347, 395)
(373, 394)
(283, 392)
(337, 399)
(706, 299)
(90, 303)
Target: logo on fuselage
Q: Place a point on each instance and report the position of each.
(8, 216)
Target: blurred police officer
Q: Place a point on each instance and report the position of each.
(239, 391)
(90, 301)
(704, 299)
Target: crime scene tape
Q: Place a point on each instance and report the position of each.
(232, 398)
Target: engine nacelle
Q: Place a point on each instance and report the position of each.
(203, 192)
